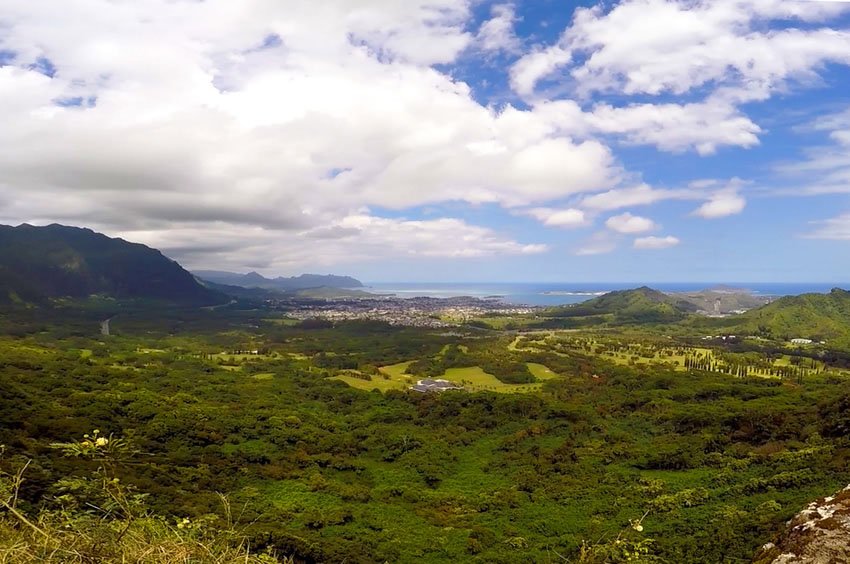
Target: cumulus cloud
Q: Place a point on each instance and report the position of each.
(497, 33)
(531, 68)
(722, 203)
(640, 195)
(630, 224)
(649, 243)
(554, 217)
(270, 116)
(724, 43)
(702, 127)
(355, 238)
(727, 53)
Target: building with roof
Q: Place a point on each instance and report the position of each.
(434, 385)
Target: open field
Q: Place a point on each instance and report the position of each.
(681, 357)
(473, 378)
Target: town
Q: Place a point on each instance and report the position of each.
(411, 312)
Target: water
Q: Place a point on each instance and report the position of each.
(551, 294)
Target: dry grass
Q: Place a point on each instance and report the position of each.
(149, 541)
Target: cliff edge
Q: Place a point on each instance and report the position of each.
(819, 534)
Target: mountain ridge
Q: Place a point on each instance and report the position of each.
(255, 280)
(39, 263)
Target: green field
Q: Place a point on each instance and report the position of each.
(391, 377)
(473, 378)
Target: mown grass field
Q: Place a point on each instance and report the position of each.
(473, 378)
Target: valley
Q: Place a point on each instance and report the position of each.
(629, 428)
(558, 438)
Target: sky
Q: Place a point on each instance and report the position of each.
(439, 140)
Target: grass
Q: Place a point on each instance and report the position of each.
(285, 321)
(476, 380)
(540, 371)
(263, 376)
(391, 377)
(473, 378)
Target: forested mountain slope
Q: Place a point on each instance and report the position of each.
(812, 316)
(638, 305)
(39, 263)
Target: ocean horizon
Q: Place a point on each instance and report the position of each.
(563, 293)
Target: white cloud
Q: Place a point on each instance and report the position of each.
(673, 127)
(527, 71)
(837, 229)
(727, 53)
(630, 224)
(720, 43)
(825, 168)
(269, 115)
(722, 203)
(646, 243)
(599, 243)
(497, 33)
(567, 218)
(640, 195)
(355, 238)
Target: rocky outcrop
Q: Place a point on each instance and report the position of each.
(820, 534)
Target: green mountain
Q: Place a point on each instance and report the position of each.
(301, 282)
(808, 316)
(39, 263)
(639, 305)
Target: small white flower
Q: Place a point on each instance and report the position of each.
(638, 527)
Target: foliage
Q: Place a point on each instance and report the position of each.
(96, 518)
(327, 473)
(38, 263)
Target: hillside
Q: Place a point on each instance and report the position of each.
(301, 282)
(630, 306)
(723, 300)
(39, 263)
(811, 316)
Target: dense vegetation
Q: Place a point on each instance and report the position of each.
(37, 263)
(812, 316)
(609, 462)
(641, 305)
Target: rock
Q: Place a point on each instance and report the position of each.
(819, 534)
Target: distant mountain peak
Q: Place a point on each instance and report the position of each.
(300, 282)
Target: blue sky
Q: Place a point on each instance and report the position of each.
(440, 140)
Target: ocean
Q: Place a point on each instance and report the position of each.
(551, 294)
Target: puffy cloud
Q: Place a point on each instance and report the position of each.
(497, 33)
(722, 203)
(356, 238)
(728, 53)
(531, 68)
(721, 43)
(640, 195)
(262, 116)
(655, 242)
(630, 224)
(677, 127)
(564, 218)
